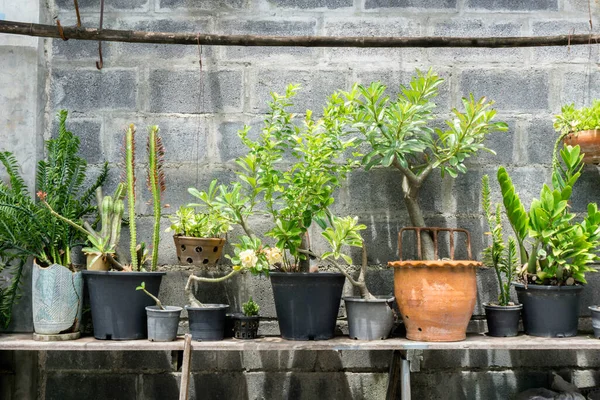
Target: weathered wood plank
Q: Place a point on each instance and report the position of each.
(522, 342)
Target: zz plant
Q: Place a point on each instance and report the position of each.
(399, 136)
(554, 248)
(27, 227)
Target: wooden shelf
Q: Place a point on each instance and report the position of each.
(475, 342)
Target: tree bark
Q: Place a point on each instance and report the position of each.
(411, 200)
(112, 35)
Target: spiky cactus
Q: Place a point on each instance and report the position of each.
(130, 182)
(156, 184)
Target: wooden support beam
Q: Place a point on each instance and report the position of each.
(111, 35)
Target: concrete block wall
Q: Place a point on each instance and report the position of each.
(200, 109)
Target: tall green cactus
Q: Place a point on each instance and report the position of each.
(130, 181)
(156, 184)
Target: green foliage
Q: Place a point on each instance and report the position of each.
(398, 133)
(156, 185)
(343, 232)
(250, 308)
(27, 227)
(561, 250)
(187, 222)
(503, 258)
(291, 170)
(572, 119)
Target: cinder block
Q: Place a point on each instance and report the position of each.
(459, 27)
(563, 54)
(229, 143)
(132, 361)
(268, 27)
(162, 386)
(540, 141)
(377, 190)
(73, 50)
(209, 5)
(513, 5)
(306, 4)
(442, 4)
(226, 361)
(220, 385)
(67, 386)
(91, 90)
(316, 87)
(90, 135)
(512, 90)
(180, 91)
(93, 5)
(579, 87)
(585, 190)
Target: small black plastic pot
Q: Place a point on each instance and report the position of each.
(118, 309)
(595, 320)
(307, 304)
(245, 327)
(550, 311)
(502, 321)
(207, 323)
(163, 324)
(229, 324)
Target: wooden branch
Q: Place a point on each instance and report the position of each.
(111, 35)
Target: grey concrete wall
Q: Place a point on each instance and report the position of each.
(200, 111)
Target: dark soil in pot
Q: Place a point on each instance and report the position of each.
(163, 324)
(245, 327)
(550, 311)
(369, 319)
(207, 323)
(307, 304)
(118, 310)
(502, 321)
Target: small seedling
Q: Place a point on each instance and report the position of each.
(156, 300)
(250, 308)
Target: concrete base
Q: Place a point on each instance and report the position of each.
(56, 338)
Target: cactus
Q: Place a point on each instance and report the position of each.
(130, 182)
(156, 184)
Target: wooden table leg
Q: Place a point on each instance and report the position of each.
(399, 377)
(185, 368)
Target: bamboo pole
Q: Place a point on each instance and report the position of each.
(111, 35)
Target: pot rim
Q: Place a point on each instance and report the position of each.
(318, 274)
(549, 288)
(594, 308)
(208, 307)
(584, 132)
(245, 317)
(123, 273)
(198, 238)
(379, 299)
(169, 309)
(507, 308)
(435, 263)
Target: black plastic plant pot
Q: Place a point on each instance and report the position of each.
(207, 323)
(245, 327)
(307, 304)
(502, 321)
(550, 311)
(596, 321)
(230, 323)
(118, 310)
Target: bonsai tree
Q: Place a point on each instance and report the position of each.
(28, 228)
(187, 222)
(553, 248)
(289, 175)
(502, 257)
(398, 134)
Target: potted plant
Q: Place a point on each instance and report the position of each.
(198, 236)
(502, 316)
(435, 297)
(290, 174)
(163, 321)
(556, 251)
(29, 230)
(245, 326)
(581, 126)
(118, 310)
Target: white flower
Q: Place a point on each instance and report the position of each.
(273, 255)
(248, 258)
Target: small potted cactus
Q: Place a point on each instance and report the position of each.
(245, 326)
(163, 321)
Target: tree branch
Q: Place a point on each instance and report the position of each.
(112, 35)
(192, 279)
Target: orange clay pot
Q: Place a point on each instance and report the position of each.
(436, 298)
(589, 142)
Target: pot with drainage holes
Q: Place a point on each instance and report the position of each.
(198, 251)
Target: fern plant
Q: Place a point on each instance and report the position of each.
(27, 228)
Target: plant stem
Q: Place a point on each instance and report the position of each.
(156, 300)
(411, 200)
(154, 186)
(130, 170)
(192, 279)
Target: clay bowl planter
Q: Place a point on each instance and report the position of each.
(95, 263)
(245, 327)
(502, 321)
(589, 142)
(198, 251)
(595, 320)
(369, 319)
(436, 298)
(307, 304)
(550, 311)
(207, 323)
(163, 324)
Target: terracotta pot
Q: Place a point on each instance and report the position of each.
(95, 263)
(436, 298)
(198, 251)
(589, 142)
